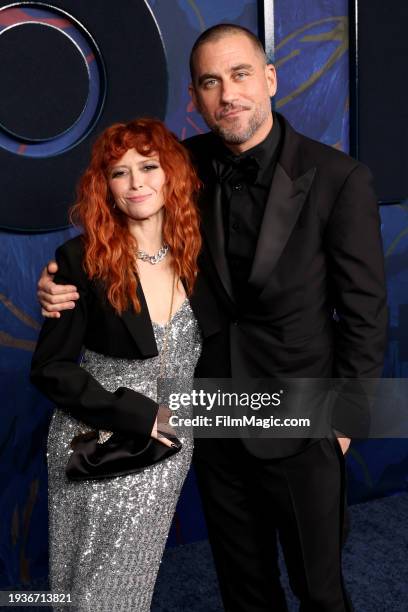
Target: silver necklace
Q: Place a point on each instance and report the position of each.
(154, 259)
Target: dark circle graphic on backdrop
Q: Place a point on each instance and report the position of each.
(81, 66)
(27, 35)
(30, 70)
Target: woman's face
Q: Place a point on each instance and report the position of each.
(137, 185)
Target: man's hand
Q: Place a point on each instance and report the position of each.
(344, 444)
(54, 298)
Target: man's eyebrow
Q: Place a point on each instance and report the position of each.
(205, 76)
(241, 67)
(210, 75)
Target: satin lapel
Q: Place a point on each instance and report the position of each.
(140, 327)
(213, 229)
(285, 201)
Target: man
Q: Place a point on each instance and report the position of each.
(291, 232)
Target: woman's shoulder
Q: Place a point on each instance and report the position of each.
(73, 247)
(70, 257)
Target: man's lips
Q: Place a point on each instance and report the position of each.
(138, 199)
(232, 113)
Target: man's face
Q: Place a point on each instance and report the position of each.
(232, 90)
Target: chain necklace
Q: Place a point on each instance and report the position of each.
(154, 259)
(163, 353)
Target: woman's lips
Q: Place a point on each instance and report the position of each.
(138, 199)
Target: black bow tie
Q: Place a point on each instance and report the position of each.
(245, 168)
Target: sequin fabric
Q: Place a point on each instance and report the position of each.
(107, 537)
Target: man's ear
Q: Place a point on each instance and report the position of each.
(193, 95)
(272, 79)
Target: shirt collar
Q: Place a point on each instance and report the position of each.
(263, 152)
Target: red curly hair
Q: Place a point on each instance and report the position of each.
(109, 245)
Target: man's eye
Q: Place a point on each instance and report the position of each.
(241, 75)
(210, 83)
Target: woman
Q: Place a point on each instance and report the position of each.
(135, 266)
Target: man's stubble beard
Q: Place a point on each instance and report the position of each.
(231, 136)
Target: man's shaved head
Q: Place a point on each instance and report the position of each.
(219, 31)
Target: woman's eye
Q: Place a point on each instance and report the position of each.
(150, 167)
(117, 173)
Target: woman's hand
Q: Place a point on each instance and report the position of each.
(161, 427)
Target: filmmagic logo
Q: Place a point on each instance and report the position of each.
(244, 421)
(206, 400)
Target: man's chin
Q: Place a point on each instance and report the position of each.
(237, 135)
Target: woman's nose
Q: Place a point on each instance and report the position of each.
(137, 179)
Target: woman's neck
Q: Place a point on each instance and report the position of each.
(148, 234)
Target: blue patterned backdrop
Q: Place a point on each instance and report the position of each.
(312, 59)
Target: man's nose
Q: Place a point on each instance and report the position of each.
(228, 92)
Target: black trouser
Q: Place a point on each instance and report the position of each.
(248, 501)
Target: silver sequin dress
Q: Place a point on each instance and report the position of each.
(106, 537)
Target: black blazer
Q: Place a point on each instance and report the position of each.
(93, 324)
(319, 250)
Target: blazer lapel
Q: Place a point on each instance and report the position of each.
(285, 201)
(140, 327)
(202, 304)
(213, 229)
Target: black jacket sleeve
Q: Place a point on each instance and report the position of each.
(357, 278)
(358, 283)
(56, 372)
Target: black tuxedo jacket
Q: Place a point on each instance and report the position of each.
(319, 251)
(93, 324)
